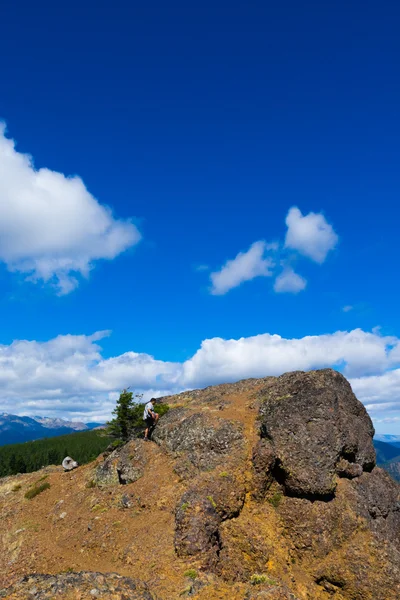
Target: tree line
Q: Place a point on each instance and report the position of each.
(84, 447)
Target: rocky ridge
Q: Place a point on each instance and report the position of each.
(260, 489)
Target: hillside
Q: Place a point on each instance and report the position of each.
(15, 429)
(84, 446)
(263, 489)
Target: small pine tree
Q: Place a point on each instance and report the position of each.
(122, 425)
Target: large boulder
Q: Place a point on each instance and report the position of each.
(317, 429)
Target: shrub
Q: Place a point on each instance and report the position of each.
(16, 487)
(275, 499)
(212, 501)
(191, 573)
(37, 489)
(41, 479)
(257, 579)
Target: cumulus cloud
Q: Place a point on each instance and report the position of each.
(290, 282)
(347, 308)
(51, 228)
(246, 266)
(68, 375)
(311, 235)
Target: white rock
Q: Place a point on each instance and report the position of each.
(69, 463)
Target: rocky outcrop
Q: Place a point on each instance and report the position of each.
(316, 428)
(124, 465)
(199, 442)
(264, 489)
(315, 463)
(83, 585)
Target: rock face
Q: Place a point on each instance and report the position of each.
(203, 441)
(318, 429)
(200, 512)
(314, 462)
(77, 585)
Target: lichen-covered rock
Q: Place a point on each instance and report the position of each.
(363, 516)
(378, 501)
(264, 459)
(313, 420)
(245, 549)
(199, 514)
(270, 592)
(363, 569)
(317, 528)
(124, 465)
(204, 441)
(344, 468)
(82, 585)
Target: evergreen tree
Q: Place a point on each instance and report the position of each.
(123, 424)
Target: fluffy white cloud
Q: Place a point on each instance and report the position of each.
(68, 376)
(246, 266)
(51, 228)
(290, 282)
(310, 235)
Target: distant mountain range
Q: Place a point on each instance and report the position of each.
(15, 429)
(388, 455)
(394, 440)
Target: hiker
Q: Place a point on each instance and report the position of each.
(150, 417)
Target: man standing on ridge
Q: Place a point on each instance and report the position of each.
(150, 417)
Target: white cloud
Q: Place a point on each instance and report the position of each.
(51, 228)
(68, 376)
(246, 266)
(347, 308)
(310, 235)
(290, 282)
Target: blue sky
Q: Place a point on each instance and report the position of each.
(200, 128)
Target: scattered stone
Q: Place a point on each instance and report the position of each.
(78, 585)
(126, 501)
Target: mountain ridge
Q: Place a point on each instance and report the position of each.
(16, 429)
